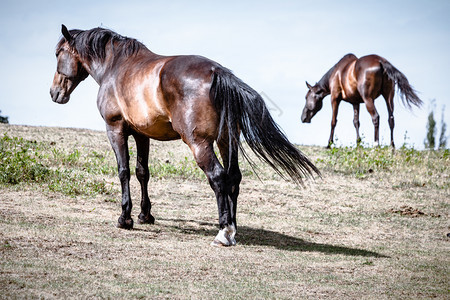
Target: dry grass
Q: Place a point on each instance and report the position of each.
(349, 235)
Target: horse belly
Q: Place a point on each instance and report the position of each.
(353, 97)
(162, 131)
(146, 113)
(144, 107)
(158, 127)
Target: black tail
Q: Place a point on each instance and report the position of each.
(242, 109)
(407, 93)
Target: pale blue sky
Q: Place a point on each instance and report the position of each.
(274, 46)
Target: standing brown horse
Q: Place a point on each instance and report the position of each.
(359, 81)
(146, 95)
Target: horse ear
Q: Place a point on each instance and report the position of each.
(66, 33)
(308, 85)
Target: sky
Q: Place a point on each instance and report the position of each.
(274, 46)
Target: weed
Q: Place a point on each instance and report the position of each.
(71, 172)
(23, 161)
(170, 168)
(361, 162)
(66, 182)
(368, 263)
(70, 159)
(19, 161)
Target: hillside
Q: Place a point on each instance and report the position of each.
(375, 225)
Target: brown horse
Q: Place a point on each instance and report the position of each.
(146, 95)
(359, 81)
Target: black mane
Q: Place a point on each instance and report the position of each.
(324, 82)
(91, 44)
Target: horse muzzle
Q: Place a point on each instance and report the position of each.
(306, 120)
(306, 116)
(59, 96)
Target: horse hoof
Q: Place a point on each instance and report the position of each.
(125, 224)
(217, 243)
(149, 219)
(225, 237)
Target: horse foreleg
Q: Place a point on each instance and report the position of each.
(143, 176)
(119, 142)
(356, 122)
(335, 106)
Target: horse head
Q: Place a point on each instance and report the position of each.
(313, 103)
(69, 71)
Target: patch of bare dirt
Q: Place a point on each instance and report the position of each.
(412, 212)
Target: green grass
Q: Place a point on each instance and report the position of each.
(24, 161)
(81, 172)
(76, 171)
(20, 161)
(172, 168)
(361, 162)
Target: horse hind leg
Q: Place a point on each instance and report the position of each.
(217, 178)
(389, 97)
(143, 176)
(233, 174)
(356, 122)
(370, 105)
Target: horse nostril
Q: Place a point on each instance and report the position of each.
(54, 95)
(306, 118)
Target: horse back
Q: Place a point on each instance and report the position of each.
(161, 96)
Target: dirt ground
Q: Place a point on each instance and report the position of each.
(340, 237)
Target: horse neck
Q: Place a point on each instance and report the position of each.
(99, 68)
(324, 82)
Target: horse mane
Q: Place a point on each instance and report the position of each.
(324, 82)
(91, 44)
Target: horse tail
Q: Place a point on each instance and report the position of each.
(407, 93)
(242, 110)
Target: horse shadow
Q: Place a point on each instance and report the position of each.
(249, 236)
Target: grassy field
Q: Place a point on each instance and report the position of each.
(374, 227)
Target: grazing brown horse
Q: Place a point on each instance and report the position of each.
(146, 95)
(359, 81)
